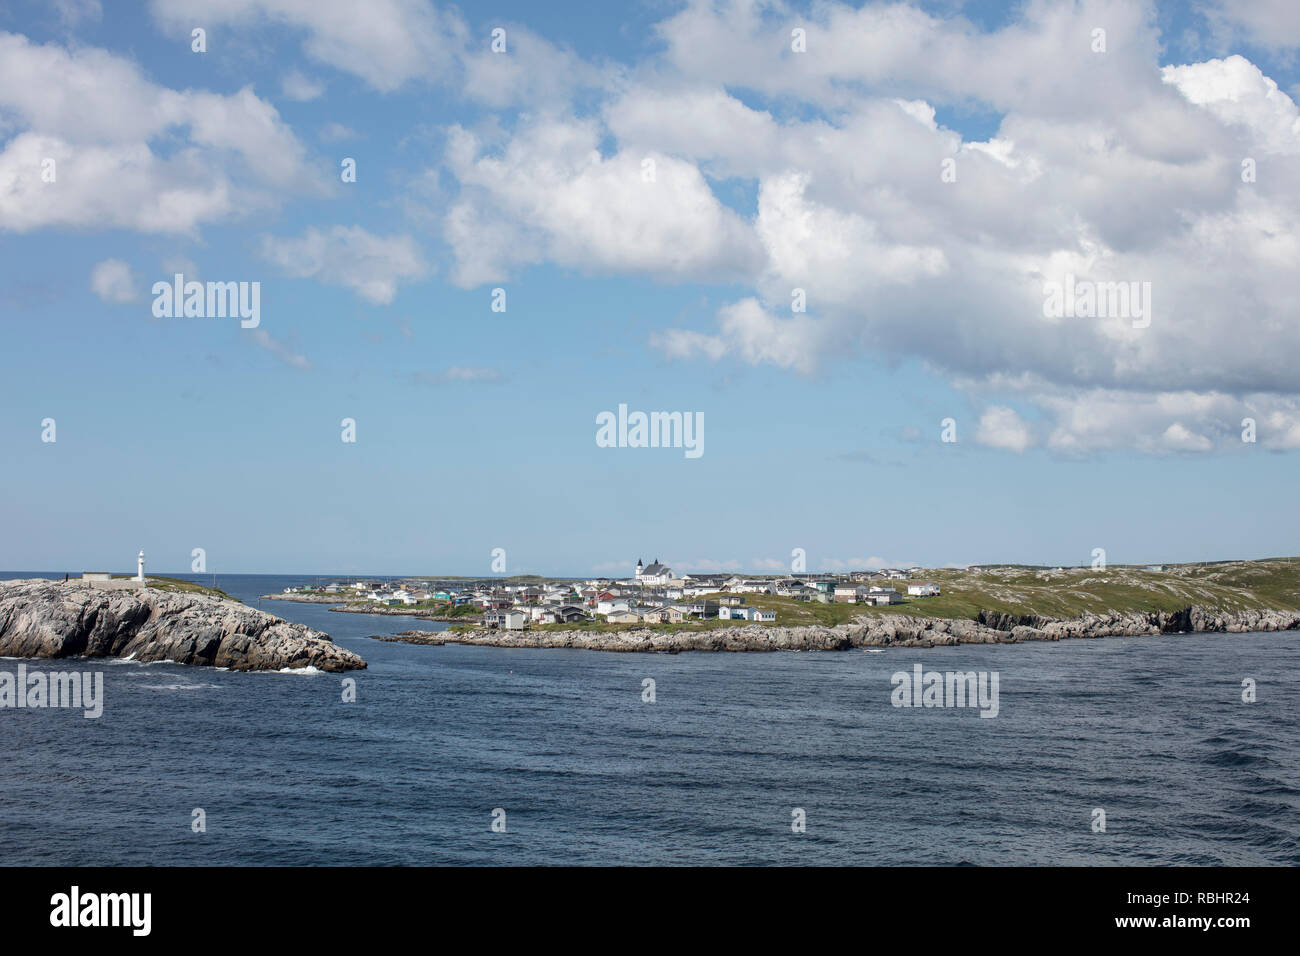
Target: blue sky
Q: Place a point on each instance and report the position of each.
(774, 170)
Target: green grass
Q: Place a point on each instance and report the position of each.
(179, 585)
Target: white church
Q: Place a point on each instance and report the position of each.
(653, 575)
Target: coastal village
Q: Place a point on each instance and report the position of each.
(655, 594)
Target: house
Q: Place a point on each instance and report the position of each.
(624, 616)
(850, 593)
(877, 596)
(923, 589)
(516, 619)
(678, 613)
(611, 606)
(704, 609)
(568, 613)
(746, 613)
(494, 618)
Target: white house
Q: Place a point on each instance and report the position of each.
(923, 589)
(516, 619)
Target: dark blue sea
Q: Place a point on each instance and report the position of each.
(1151, 730)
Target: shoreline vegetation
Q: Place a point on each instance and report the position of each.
(430, 611)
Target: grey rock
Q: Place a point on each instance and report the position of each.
(893, 630)
(51, 619)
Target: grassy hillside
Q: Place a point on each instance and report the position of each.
(176, 584)
(1070, 592)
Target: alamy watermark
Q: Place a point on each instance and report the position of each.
(1086, 299)
(953, 689)
(651, 430)
(75, 908)
(61, 689)
(216, 300)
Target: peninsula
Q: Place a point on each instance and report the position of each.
(156, 620)
(660, 611)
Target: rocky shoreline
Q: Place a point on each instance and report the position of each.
(885, 630)
(425, 614)
(305, 598)
(56, 619)
(345, 608)
(433, 638)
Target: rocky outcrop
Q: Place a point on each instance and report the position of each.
(40, 618)
(433, 638)
(300, 598)
(887, 630)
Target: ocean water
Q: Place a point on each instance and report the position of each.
(1151, 730)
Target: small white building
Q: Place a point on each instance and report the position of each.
(923, 589)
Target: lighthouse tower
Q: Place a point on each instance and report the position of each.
(139, 566)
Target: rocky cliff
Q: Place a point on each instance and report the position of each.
(888, 630)
(40, 618)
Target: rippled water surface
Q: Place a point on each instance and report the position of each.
(1151, 730)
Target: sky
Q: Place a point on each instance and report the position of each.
(831, 232)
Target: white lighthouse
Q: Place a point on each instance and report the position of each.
(139, 567)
